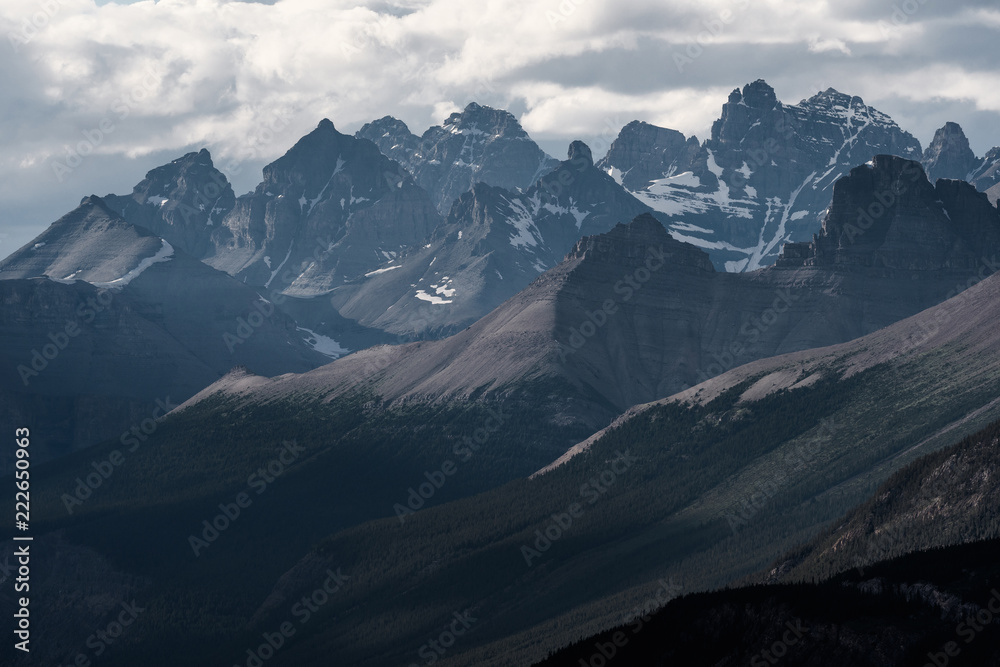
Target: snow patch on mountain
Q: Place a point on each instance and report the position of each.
(386, 269)
(323, 344)
(431, 298)
(164, 254)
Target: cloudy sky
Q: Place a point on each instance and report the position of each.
(95, 94)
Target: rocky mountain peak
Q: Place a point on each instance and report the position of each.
(479, 143)
(743, 110)
(886, 215)
(579, 150)
(643, 153)
(92, 201)
(759, 95)
(949, 154)
(183, 201)
(631, 244)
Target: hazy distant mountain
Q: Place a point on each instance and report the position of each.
(719, 481)
(150, 322)
(477, 145)
(591, 325)
(764, 177)
(493, 243)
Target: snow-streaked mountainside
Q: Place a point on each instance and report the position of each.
(477, 145)
(949, 156)
(91, 244)
(183, 202)
(105, 317)
(347, 228)
(493, 243)
(764, 177)
(332, 208)
(634, 313)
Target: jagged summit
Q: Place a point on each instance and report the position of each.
(949, 154)
(759, 95)
(183, 201)
(643, 153)
(580, 151)
(764, 177)
(887, 215)
(479, 143)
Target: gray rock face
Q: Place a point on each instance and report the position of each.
(949, 155)
(182, 202)
(986, 175)
(493, 243)
(101, 318)
(90, 243)
(649, 153)
(888, 216)
(632, 315)
(479, 144)
(764, 177)
(332, 208)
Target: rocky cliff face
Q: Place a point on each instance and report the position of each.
(101, 319)
(886, 215)
(478, 144)
(764, 177)
(332, 206)
(632, 314)
(650, 153)
(182, 202)
(949, 155)
(493, 243)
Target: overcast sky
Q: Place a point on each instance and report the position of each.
(136, 84)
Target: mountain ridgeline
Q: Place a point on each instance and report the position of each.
(761, 364)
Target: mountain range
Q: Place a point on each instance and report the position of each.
(452, 386)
